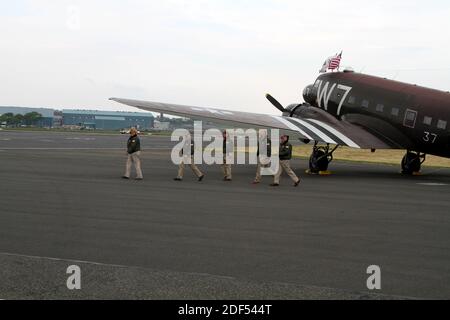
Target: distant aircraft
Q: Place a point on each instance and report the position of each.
(347, 109)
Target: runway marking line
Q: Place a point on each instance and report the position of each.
(194, 273)
(63, 260)
(106, 264)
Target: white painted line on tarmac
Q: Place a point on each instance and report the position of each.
(63, 260)
(103, 264)
(433, 184)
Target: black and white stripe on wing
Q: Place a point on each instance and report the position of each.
(333, 136)
(318, 134)
(292, 126)
(317, 131)
(345, 140)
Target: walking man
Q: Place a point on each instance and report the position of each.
(188, 154)
(285, 157)
(134, 152)
(228, 155)
(263, 154)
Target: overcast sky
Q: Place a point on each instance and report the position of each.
(226, 54)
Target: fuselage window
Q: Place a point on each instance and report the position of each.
(395, 112)
(427, 120)
(351, 100)
(410, 118)
(442, 124)
(365, 104)
(380, 107)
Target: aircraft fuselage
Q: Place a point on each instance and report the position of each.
(405, 116)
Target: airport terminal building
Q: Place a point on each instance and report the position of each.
(107, 120)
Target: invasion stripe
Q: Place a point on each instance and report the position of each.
(344, 138)
(315, 136)
(317, 131)
(292, 126)
(327, 132)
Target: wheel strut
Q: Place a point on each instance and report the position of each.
(412, 162)
(321, 158)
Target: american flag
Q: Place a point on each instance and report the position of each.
(335, 62)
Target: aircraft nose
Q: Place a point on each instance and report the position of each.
(308, 94)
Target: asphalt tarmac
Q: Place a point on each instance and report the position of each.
(62, 203)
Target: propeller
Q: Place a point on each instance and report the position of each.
(275, 102)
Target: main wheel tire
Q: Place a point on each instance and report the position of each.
(411, 163)
(318, 161)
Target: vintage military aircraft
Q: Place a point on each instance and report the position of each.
(347, 109)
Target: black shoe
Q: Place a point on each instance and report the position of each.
(297, 183)
(274, 185)
(227, 179)
(201, 178)
(177, 179)
(125, 177)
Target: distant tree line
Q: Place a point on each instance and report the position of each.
(14, 120)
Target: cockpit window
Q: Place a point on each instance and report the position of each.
(306, 91)
(351, 100)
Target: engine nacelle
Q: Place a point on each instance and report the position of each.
(295, 108)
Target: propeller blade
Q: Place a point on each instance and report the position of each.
(275, 102)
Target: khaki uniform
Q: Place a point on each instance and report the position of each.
(193, 166)
(226, 169)
(259, 165)
(134, 152)
(286, 166)
(258, 172)
(285, 155)
(228, 152)
(133, 158)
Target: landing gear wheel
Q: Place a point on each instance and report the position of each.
(320, 159)
(412, 162)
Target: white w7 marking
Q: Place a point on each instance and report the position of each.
(347, 90)
(324, 95)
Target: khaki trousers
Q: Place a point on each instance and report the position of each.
(258, 172)
(226, 169)
(134, 159)
(259, 167)
(286, 166)
(193, 166)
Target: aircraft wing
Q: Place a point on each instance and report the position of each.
(316, 125)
